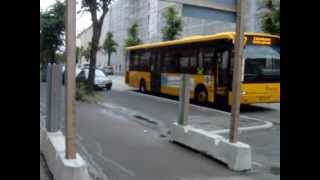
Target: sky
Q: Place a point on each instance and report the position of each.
(83, 20)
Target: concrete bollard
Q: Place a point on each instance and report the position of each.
(54, 98)
(49, 73)
(184, 99)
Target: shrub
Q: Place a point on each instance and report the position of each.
(83, 95)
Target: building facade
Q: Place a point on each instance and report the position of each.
(200, 17)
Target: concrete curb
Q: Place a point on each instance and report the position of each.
(52, 146)
(237, 156)
(266, 124)
(242, 129)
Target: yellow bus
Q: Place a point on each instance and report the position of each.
(156, 67)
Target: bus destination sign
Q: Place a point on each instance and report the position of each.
(261, 40)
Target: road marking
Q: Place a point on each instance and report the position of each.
(201, 108)
(108, 160)
(93, 166)
(249, 128)
(127, 171)
(257, 164)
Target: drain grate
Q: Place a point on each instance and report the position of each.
(145, 119)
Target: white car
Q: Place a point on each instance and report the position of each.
(109, 70)
(101, 80)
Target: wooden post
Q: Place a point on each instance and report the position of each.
(236, 82)
(70, 129)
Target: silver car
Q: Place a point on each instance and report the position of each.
(101, 80)
(108, 70)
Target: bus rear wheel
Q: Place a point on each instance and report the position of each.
(142, 86)
(201, 96)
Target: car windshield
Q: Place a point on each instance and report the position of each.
(262, 63)
(100, 74)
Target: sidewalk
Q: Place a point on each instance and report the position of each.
(44, 171)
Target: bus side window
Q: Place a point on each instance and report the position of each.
(231, 64)
(174, 66)
(167, 60)
(183, 59)
(193, 61)
(144, 60)
(200, 62)
(208, 61)
(223, 61)
(152, 61)
(137, 61)
(131, 60)
(184, 62)
(134, 61)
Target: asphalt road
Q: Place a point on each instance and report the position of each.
(119, 146)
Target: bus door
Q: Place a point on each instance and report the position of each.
(222, 85)
(155, 71)
(127, 64)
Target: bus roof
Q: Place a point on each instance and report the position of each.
(195, 39)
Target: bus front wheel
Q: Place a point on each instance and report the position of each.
(201, 95)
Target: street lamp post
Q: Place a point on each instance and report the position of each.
(236, 80)
(70, 128)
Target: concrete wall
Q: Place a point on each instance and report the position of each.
(207, 14)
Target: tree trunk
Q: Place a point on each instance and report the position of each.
(93, 55)
(92, 66)
(109, 56)
(96, 31)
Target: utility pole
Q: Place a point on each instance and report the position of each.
(70, 129)
(237, 68)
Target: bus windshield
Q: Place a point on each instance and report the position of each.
(262, 63)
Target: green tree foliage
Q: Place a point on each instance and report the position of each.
(173, 26)
(109, 46)
(51, 31)
(133, 39)
(93, 7)
(61, 57)
(270, 21)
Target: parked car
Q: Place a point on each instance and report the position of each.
(78, 70)
(101, 81)
(85, 66)
(108, 70)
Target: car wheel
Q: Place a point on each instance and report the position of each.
(108, 87)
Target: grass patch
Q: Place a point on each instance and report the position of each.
(83, 95)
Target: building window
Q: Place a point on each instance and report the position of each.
(209, 14)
